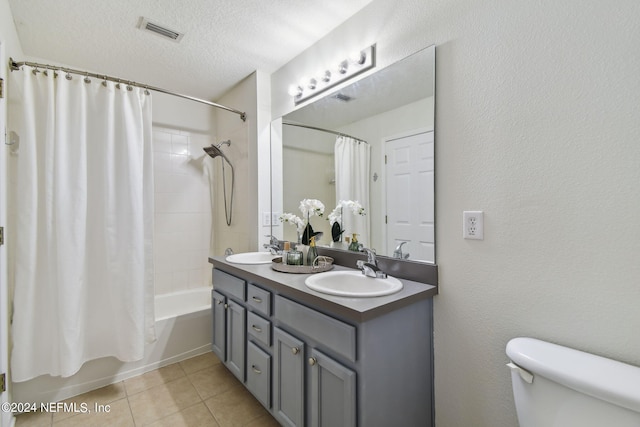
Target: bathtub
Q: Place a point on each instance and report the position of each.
(183, 330)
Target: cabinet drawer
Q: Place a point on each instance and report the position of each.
(259, 299)
(229, 284)
(332, 333)
(259, 328)
(259, 374)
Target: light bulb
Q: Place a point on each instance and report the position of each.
(295, 90)
(343, 67)
(357, 57)
(325, 76)
(312, 83)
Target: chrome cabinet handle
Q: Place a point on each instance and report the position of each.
(226, 306)
(256, 299)
(256, 370)
(257, 329)
(219, 301)
(313, 361)
(295, 350)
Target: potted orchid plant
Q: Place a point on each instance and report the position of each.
(309, 208)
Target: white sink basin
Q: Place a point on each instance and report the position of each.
(352, 284)
(251, 258)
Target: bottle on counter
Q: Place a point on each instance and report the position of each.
(312, 254)
(294, 257)
(354, 245)
(285, 252)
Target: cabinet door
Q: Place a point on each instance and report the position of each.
(333, 392)
(236, 338)
(219, 339)
(259, 374)
(288, 379)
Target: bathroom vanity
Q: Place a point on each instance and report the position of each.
(314, 359)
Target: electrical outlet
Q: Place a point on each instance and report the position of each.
(473, 225)
(275, 219)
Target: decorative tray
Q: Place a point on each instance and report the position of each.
(322, 263)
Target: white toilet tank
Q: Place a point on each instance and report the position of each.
(555, 386)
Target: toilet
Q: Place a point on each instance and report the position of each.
(556, 386)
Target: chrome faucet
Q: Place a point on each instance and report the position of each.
(273, 245)
(397, 252)
(370, 268)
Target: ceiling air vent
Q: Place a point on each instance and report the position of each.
(159, 30)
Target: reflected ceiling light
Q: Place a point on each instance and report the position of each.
(358, 62)
(325, 76)
(295, 90)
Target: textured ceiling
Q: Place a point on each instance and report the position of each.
(224, 42)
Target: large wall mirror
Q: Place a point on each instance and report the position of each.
(371, 143)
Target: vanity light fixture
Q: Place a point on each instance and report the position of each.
(358, 62)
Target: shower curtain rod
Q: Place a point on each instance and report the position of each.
(300, 125)
(15, 66)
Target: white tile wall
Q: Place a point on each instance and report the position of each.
(182, 211)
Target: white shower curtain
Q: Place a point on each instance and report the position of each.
(83, 261)
(352, 163)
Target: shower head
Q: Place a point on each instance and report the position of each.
(213, 151)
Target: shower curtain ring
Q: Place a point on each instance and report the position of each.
(118, 85)
(146, 91)
(104, 82)
(129, 87)
(86, 78)
(68, 76)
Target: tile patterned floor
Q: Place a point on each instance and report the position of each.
(195, 392)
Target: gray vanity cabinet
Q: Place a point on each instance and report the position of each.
(312, 368)
(229, 323)
(331, 385)
(259, 373)
(236, 341)
(332, 392)
(288, 379)
(219, 339)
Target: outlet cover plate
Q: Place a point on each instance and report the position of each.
(473, 225)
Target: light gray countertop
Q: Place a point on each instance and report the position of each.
(351, 309)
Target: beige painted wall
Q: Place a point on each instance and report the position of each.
(536, 125)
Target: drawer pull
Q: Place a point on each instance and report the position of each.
(256, 370)
(226, 306)
(219, 301)
(256, 299)
(312, 361)
(295, 350)
(257, 329)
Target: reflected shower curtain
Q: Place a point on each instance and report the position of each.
(83, 246)
(352, 163)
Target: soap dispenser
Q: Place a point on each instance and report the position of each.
(312, 254)
(354, 245)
